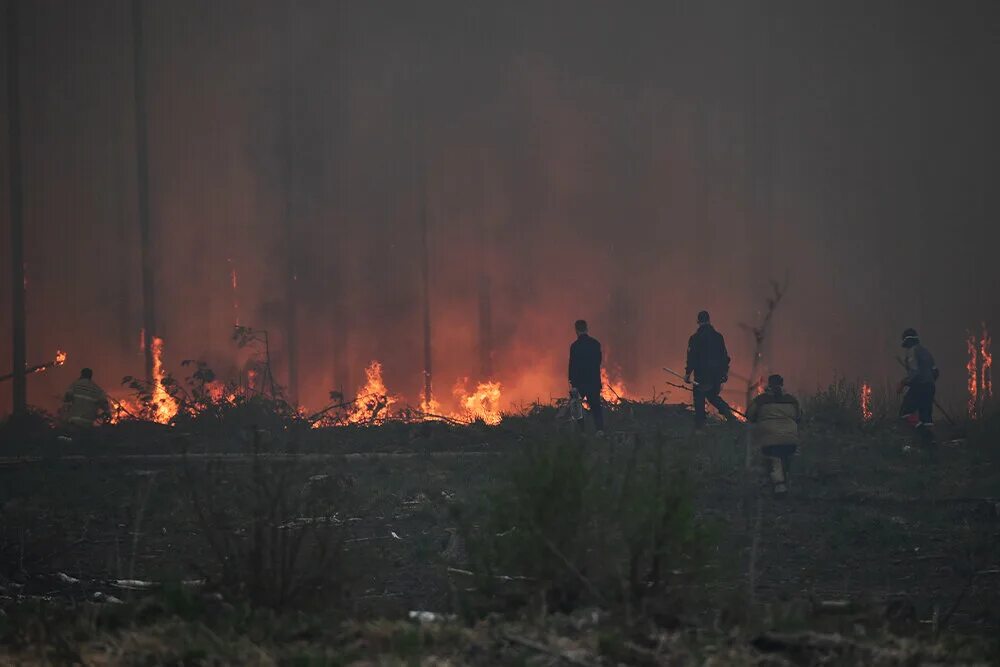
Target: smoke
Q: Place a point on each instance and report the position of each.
(628, 165)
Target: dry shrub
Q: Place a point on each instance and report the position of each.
(580, 522)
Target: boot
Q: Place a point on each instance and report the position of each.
(778, 476)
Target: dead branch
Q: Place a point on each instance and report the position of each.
(547, 649)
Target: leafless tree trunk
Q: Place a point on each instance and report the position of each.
(425, 271)
(760, 335)
(18, 316)
(291, 227)
(142, 185)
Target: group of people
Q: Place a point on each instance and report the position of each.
(774, 413)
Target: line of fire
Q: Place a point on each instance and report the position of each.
(416, 246)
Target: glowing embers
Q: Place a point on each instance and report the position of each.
(866, 402)
(980, 372)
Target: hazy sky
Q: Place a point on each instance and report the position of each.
(629, 163)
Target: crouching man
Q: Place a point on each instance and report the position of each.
(84, 402)
(775, 416)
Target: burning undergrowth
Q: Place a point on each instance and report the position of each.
(201, 394)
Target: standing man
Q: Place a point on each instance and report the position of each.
(84, 401)
(775, 416)
(585, 372)
(919, 384)
(708, 359)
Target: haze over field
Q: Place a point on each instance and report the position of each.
(627, 163)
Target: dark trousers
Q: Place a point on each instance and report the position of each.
(783, 452)
(708, 390)
(593, 397)
(919, 398)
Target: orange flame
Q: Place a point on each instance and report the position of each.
(482, 404)
(163, 403)
(430, 407)
(60, 357)
(373, 402)
(866, 402)
(611, 392)
(973, 368)
(986, 358)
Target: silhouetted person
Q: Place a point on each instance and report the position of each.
(85, 401)
(708, 359)
(585, 372)
(775, 416)
(919, 383)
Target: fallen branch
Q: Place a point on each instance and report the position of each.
(547, 649)
(498, 577)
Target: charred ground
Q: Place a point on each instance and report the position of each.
(876, 536)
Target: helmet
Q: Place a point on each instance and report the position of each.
(775, 381)
(703, 317)
(910, 337)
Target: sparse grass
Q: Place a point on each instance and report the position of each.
(581, 522)
(864, 520)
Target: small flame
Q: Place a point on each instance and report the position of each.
(611, 392)
(60, 357)
(164, 405)
(430, 407)
(482, 404)
(866, 402)
(373, 402)
(220, 393)
(986, 359)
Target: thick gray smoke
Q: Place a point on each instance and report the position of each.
(629, 163)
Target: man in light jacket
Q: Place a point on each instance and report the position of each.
(775, 416)
(84, 401)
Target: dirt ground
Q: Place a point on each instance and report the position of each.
(870, 518)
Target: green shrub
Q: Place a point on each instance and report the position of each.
(579, 522)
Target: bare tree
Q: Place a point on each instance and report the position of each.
(18, 316)
(142, 185)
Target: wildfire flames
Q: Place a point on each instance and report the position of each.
(611, 392)
(163, 402)
(60, 357)
(866, 402)
(482, 404)
(973, 368)
(986, 355)
(373, 404)
(980, 369)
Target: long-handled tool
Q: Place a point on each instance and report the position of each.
(40, 368)
(695, 384)
(936, 404)
(683, 377)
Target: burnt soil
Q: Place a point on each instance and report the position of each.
(870, 516)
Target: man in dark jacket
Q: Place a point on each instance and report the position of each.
(919, 384)
(585, 372)
(708, 359)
